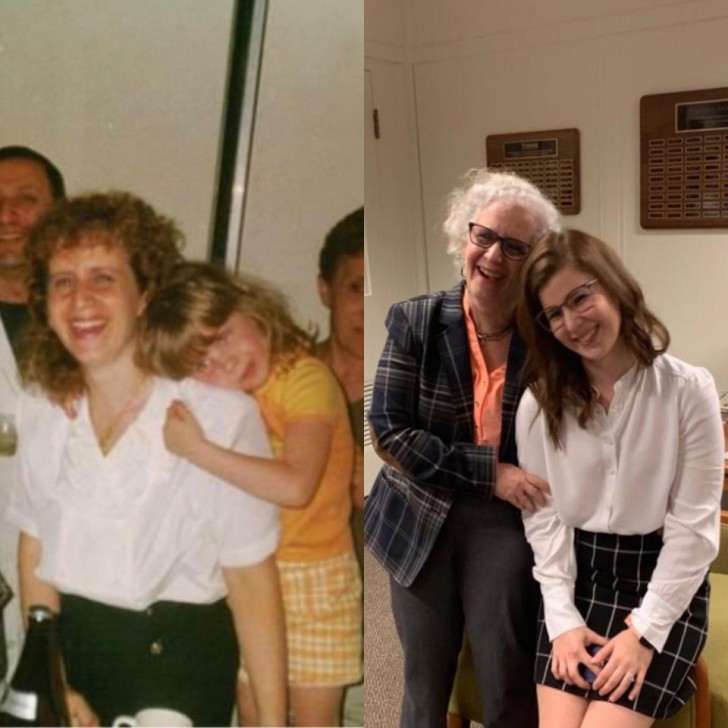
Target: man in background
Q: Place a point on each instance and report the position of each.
(341, 288)
(29, 185)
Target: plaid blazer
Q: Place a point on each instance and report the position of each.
(422, 424)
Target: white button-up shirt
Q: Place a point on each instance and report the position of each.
(140, 525)
(654, 461)
(9, 473)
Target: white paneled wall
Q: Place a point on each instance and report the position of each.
(307, 163)
(480, 67)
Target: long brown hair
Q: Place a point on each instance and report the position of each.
(555, 374)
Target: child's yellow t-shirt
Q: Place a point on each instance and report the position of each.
(309, 391)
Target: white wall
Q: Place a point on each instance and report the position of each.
(483, 68)
(307, 164)
(123, 94)
(396, 259)
(128, 94)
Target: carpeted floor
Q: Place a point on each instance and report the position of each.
(382, 653)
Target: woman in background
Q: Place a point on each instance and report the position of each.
(444, 515)
(159, 571)
(632, 442)
(341, 288)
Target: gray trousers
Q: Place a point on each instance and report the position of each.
(478, 575)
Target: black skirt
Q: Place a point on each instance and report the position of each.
(173, 655)
(613, 573)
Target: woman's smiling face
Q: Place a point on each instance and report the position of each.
(94, 301)
(238, 358)
(594, 334)
(491, 277)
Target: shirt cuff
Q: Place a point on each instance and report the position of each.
(560, 611)
(23, 522)
(253, 553)
(654, 619)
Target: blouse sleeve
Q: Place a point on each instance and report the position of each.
(248, 527)
(552, 542)
(21, 505)
(692, 524)
(417, 452)
(312, 393)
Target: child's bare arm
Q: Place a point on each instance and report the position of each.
(289, 481)
(182, 432)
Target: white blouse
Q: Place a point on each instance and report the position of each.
(654, 461)
(140, 525)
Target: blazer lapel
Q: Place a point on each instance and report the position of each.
(455, 357)
(511, 396)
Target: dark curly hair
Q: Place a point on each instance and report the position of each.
(555, 374)
(55, 178)
(152, 242)
(345, 238)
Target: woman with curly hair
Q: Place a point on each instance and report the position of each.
(237, 333)
(161, 573)
(444, 514)
(631, 441)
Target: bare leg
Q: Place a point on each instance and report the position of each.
(557, 709)
(600, 713)
(247, 709)
(317, 706)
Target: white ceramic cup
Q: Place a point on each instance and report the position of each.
(154, 717)
(8, 435)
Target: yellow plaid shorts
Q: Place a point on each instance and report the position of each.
(323, 605)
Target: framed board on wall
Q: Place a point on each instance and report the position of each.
(549, 159)
(684, 159)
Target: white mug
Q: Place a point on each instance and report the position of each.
(154, 717)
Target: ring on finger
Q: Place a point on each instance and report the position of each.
(630, 677)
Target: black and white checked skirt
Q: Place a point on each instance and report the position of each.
(612, 576)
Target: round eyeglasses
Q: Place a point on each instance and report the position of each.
(484, 237)
(578, 300)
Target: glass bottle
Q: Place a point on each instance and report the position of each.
(36, 694)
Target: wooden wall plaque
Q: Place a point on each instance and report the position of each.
(684, 159)
(549, 159)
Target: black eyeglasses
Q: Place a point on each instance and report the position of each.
(484, 237)
(579, 300)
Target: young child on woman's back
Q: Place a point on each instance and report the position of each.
(238, 333)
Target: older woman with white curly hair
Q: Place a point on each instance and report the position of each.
(444, 515)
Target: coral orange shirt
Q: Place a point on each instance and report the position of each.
(487, 387)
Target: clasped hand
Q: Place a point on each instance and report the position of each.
(182, 431)
(620, 665)
(522, 489)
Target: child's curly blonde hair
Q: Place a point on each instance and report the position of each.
(183, 317)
